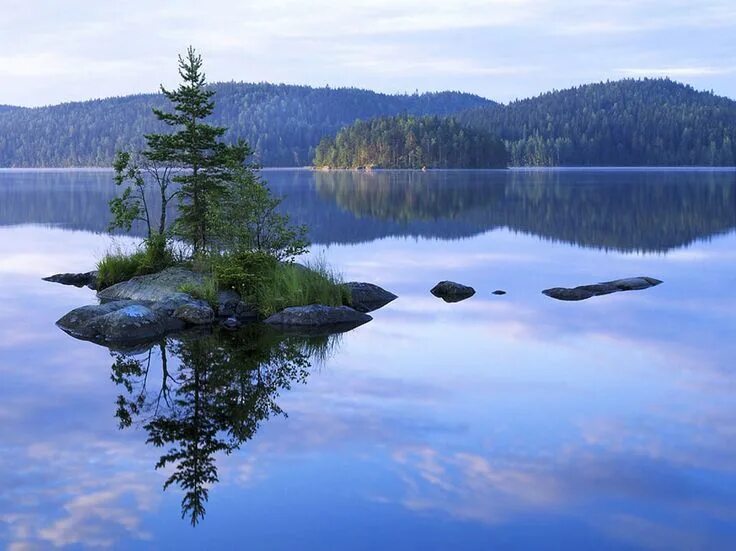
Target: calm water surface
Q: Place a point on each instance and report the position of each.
(498, 422)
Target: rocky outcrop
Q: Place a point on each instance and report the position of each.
(316, 315)
(605, 288)
(148, 307)
(366, 297)
(449, 291)
(84, 279)
(154, 287)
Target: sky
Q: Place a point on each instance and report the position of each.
(53, 51)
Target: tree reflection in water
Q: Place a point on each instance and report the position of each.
(211, 395)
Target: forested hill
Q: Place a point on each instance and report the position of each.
(622, 123)
(284, 123)
(406, 141)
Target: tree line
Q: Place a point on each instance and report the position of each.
(282, 123)
(649, 122)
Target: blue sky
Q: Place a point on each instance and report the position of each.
(53, 51)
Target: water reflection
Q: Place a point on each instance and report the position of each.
(209, 395)
(622, 210)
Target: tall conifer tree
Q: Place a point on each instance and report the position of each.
(196, 147)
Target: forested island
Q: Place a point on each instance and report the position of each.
(647, 122)
(406, 141)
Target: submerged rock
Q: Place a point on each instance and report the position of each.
(231, 324)
(316, 315)
(367, 297)
(498, 292)
(117, 322)
(605, 288)
(449, 291)
(154, 287)
(88, 279)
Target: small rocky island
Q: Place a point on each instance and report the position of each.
(149, 307)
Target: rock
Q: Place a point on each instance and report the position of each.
(169, 305)
(231, 324)
(584, 292)
(227, 303)
(154, 287)
(499, 292)
(117, 322)
(88, 279)
(318, 315)
(195, 312)
(367, 297)
(449, 291)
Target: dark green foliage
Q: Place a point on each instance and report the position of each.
(406, 141)
(650, 122)
(247, 220)
(283, 123)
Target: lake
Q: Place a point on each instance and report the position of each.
(513, 421)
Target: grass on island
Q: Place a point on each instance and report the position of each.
(153, 256)
(271, 285)
(259, 278)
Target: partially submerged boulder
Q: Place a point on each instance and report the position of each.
(88, 279)
(318, 315)
(195, 312)
(450, 291)
(367, 297)
(154, 287)
(584, 292)
(116, 322)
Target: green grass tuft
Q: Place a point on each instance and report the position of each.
(153, 256)
(207, 291)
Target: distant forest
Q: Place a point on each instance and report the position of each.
(411, 142)
(649, 122)
(283, 123)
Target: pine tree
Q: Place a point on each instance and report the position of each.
(195, 147)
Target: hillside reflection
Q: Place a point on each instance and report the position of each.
(197, 396)
(650, 211)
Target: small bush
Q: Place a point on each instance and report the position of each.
(153, 256)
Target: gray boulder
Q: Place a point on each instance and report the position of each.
(367, 297)
(449, 291)
(83, 279)
(116, 322)
(154, 287)
(584, 292)
(318, 315)
(195, 312)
